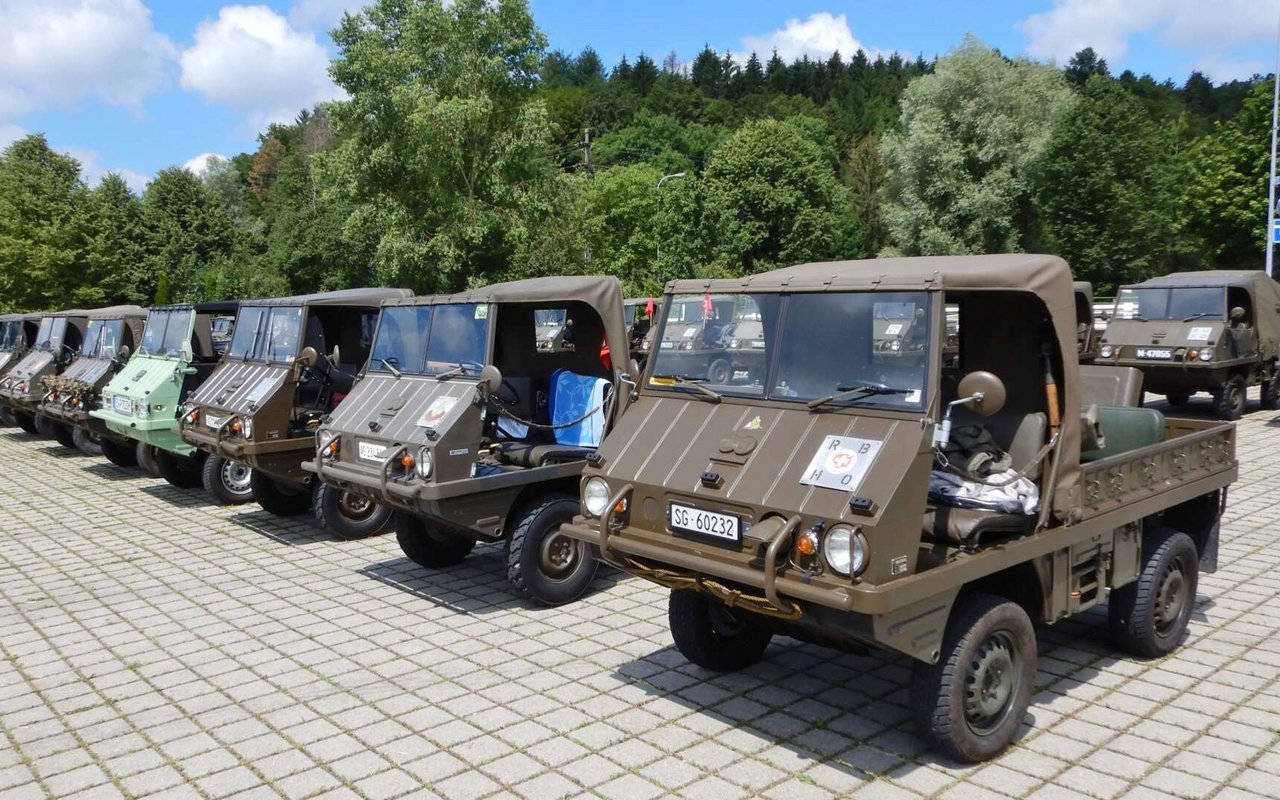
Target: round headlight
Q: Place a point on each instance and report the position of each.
(595, 496)
(424, 462)
(896, 346)
(323, 439)
(845, 550)
(733, 342)
(1206, 354)
(247, 427)
(1106, 351)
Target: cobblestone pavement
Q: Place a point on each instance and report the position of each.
(152, 644)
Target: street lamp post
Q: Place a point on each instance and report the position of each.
(1271, 176)
(662, 180)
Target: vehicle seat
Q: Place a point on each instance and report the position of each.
(571, 397)
(1110, 386)
(1126, 428)
(967, 526)
(1021, 435)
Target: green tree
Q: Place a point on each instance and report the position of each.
(114, 249)
(448, 157)
(41, 225)
(864, 174)
(1225, 201)
(185, 232)
(1107, 189)
(959, 168)
(775, 200)
(1084, 65)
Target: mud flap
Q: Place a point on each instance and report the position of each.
(917, 629)
(1209, 549)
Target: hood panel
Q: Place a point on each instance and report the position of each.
(89, 370)
(142, 376)
(1167, 333)
(234, 385)
(34, 363)
(764, 456)
(397, 404)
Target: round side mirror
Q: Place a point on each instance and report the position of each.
(123, 353)
(1237, 314)
(491, 379)
(986, 384)
(188, 355)
(308, 357)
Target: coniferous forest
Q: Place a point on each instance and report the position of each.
(468, 152)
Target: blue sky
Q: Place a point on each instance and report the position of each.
(137, 85)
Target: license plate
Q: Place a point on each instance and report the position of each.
(122, 404)
(1155, 352)
(370, 451)
(213, 422)
(722, 527)
(667, 345)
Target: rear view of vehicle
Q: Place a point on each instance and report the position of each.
(289, 363)
(17, 335)
(57, 342)
(1189, 332)
(72, 396)
(473, 423)
(140, 405)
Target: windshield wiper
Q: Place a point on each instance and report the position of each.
(683, 381)
(861, 389)
(461, 369)
(387, 363)
(1196, 316)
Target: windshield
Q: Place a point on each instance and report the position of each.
(52, 329)
(549, 316)
(102, 339)
(10, 334)
(1200, 302)
(267, 333)
(430, 340)
(794, 354)
(166, 331)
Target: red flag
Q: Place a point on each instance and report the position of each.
(706, 305)
(648, 308)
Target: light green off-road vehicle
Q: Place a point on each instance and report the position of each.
(935, 507)
(140, 405)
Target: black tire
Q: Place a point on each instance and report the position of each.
(1271, 391)
(145, 455)
(1177, 399)
(180, 471)
(27, 422)
(228, 481)
(348, 515)
(44, 426)
(279, 499)
(712, 635)
(87, 442)
(720, 371)
(970, 704)
(1228, 401)
(1149, 616)
(422, 543)
(64, 435)
(122, 455)
(544, 565)
(7, 417)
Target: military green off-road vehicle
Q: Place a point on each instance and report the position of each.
(140, 404)
(17, 334)
(290, 362)
(937, 509)
(1086, 336)
(472, 430)
(110, 337)
(1213, 331)
(57, 343)
(639, 323)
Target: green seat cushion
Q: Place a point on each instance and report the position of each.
(1126, 428)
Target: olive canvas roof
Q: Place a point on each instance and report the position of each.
(601, 292)
(116, 312)
(342, 297)
(1251, 279)
(29, 316)
(211, 307)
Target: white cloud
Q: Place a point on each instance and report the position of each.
(199, 164)
(251, 60)
(817, 37)
(323, 14)
(1221, 70)
(10, 133)
(93, 172)
(1107, 25)
(57, 52)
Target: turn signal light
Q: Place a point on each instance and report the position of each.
(406, 461)
(807, 543)
(333, 447)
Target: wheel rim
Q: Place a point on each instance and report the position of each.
(1235, 396)
(1171, 601)
(724, 622)
(992, 683)
(355, 508)
(236, 477)
(559, 556)
(719, 373)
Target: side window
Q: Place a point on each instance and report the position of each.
(552, 330)
(1239, 298)
(951, 342)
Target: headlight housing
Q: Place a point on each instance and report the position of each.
(246, 427)
(423, 465)
(1206, 354)
(324, 443)
(1107, 351)
(595, 496)
(845, 550)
